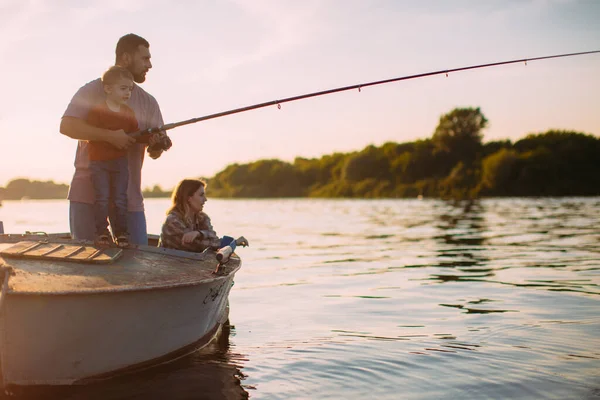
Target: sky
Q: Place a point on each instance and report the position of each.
(212, 56)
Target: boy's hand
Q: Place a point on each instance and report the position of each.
(119, 139)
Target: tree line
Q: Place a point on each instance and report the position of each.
(453, 163)
(22, 188)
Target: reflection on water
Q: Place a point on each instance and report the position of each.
(387, 299)
(461, 244)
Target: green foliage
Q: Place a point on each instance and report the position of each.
(558, 163)
(458, 135)
(498, 171)
(461, 183)
(492, 147)
(318, 172)
(371, 163)
(333, 189)
(454, 163)
(418, 163)
(263, 178)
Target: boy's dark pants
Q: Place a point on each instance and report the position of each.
(110, 179)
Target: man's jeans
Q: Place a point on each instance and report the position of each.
(81, 221)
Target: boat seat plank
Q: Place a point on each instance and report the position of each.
(50, 251)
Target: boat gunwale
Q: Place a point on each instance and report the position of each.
(59, 238)
(123, 289)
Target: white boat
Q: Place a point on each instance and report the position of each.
(72, 313)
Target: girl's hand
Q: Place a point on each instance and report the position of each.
(189, 237)
(241, 241)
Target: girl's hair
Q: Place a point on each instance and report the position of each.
(114, 74)
(182, 192)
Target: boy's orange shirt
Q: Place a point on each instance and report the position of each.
(101, 116)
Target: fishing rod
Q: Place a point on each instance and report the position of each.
(342, 89)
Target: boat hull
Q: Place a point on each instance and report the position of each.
(71, 312)
(50, 339)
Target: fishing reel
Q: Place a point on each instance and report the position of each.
(225, 252)
(163, 144)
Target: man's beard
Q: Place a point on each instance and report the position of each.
(139, 78)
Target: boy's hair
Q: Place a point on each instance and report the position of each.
(129, 44)
(114, 74)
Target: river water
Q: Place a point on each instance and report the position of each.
(386, 299)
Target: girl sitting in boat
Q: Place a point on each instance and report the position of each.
(186, 226)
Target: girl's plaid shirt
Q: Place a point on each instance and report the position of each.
(176, 225)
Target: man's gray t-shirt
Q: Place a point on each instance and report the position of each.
(147, 114)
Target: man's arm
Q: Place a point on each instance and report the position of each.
(73, 123)
(77, 128)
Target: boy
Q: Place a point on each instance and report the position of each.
(109, 165)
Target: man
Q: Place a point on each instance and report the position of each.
(132, 53)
